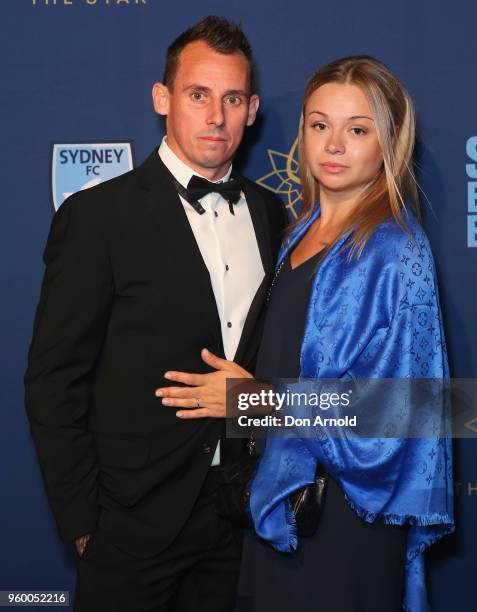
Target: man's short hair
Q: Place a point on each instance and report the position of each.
(222, 35)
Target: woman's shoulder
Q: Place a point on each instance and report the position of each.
(401, 257)
(400, 245)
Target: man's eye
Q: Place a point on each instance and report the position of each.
(234, 100)
(198, 96)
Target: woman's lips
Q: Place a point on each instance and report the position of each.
(333, 168)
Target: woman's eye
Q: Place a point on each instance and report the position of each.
(319, 126)
(358, 131)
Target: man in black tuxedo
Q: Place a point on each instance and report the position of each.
(142, 272)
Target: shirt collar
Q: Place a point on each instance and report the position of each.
(179, 170)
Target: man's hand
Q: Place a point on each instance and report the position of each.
(80, 543)
(206, 394)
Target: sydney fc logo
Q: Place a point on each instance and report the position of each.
(80, 166)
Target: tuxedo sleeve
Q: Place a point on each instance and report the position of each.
(69, 329)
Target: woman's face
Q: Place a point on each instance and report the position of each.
(340, 140)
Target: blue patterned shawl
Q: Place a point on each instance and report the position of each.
(375, 317)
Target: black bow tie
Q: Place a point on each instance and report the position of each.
(199, 187)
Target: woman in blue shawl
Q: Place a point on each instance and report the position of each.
(354, 297)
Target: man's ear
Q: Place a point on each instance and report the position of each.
(160, 98)
(253, 105)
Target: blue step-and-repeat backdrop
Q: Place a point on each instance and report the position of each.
(76, 109)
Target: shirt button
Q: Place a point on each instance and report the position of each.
(216, 213)
(229, 324)
(226, 268)
(206, 448)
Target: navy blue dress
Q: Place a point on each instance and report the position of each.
(348, 565)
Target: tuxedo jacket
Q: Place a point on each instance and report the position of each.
(126, 296)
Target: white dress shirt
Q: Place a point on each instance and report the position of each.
(230, 251)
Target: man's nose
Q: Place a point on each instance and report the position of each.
(216, 114)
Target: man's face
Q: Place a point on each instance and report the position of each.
(208, 108)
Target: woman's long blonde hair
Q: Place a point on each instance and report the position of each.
(394, 187)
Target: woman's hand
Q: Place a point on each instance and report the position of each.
(206, 394)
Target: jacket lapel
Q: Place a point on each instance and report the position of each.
(261, 227)
(258, 214)
(167, 212)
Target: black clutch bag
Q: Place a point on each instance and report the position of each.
(307, 503)
(234, 497)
